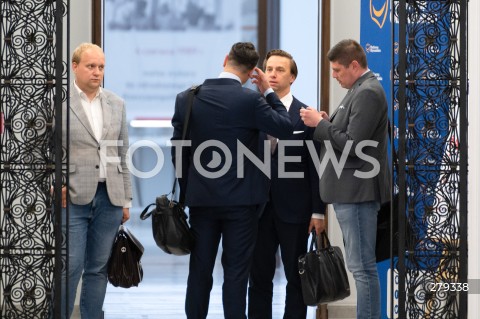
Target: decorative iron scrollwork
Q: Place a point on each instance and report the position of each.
(428, 78)
(28, 77)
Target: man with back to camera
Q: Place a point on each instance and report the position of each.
(225, 207)
(294, 207)
(99, 189)
(359, 126)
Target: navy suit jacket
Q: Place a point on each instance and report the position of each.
(295, 199)
(231, 116)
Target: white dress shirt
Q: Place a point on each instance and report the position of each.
(94, 112)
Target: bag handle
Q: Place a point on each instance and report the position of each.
(313, 242)
(324, 241)
(191, 96)
(319, 242)
(144, 215)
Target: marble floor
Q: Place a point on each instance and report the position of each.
(161, 293)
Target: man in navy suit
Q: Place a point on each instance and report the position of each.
(222, 178)
(294, 207)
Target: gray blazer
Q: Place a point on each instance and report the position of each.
(362, 115)
(85, 150)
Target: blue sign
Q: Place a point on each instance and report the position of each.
(376, 39)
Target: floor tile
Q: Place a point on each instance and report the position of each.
(161, 294)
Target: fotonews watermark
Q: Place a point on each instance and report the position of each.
(220, 158)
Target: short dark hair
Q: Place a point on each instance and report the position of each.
(285, 54)
(244, 55)
(347, 51)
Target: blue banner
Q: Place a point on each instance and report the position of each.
(376, 39)
(428, 112)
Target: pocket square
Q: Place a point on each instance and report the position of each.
(298, 132)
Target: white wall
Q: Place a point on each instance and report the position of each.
(80, 23)
(345, 20)
(474, 156)
(80, 31)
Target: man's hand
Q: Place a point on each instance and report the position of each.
(312, 117)
(261, 80)
(317, 224)
(64, 196)
(126, 215)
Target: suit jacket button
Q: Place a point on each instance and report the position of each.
(96, 166)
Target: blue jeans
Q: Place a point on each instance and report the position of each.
(92, 230)
(358, 222)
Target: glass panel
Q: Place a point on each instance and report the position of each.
(301, 41)
(157, 48)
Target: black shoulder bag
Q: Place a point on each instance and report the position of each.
(170, 227)
(387, 221)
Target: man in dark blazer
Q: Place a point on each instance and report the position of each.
(224, 189)
(294, 207)
(356, 188)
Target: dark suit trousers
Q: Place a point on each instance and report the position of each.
(237, 228)
(292, 239)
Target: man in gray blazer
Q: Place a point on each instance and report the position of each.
(99, 186)
(356, 178)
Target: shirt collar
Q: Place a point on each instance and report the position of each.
(287, 100)
(83, 95)
(229, 75)
(368, 70)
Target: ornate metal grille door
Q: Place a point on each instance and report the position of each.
(33, 83)
(430, 116)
